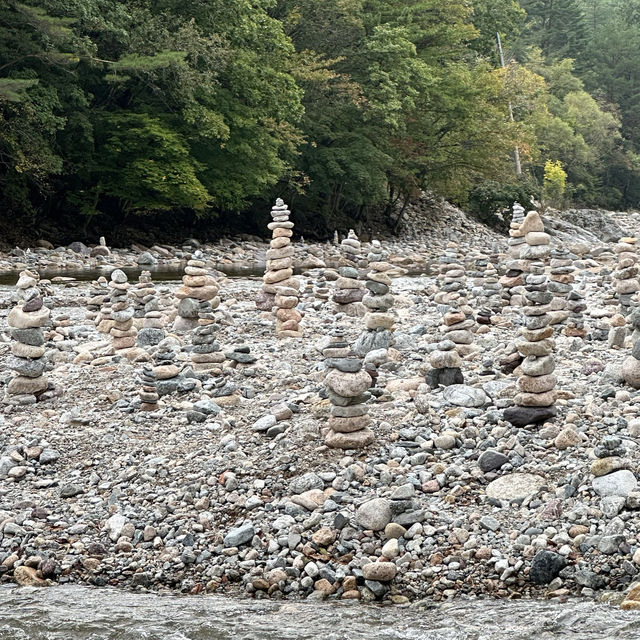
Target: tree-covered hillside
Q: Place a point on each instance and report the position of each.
(159, 110)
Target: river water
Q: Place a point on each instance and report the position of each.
(85, 613)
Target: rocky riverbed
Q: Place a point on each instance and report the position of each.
(244, 496)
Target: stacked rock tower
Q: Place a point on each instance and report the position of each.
(378, 301)
(149, 391)
(535, 402)
(626, 275)
(280, 290)
(123, 332)
(349, 290)
(513, 278)
(516, 240)
(347, 387)
(457, 320)
(142, 292)
(98, 294)
(561, 276)
(197, 287)
(26, 321)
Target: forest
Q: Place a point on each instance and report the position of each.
(174, 113)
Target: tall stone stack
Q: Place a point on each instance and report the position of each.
(152, 331)
(491, 299)
(149, 392)
(280, 290)
(561, 280)
(349, 290)
(98, 294)
(143, 291)
(537, 242)
(576, 305)
(103, 317)
(197, 286)
(347, 386)
(626, 275)
(378, 300)
(123, 332)
(206, 356)
(516, 240)
(513, 279)
(457, 320)
(26, 321)
(535, 402)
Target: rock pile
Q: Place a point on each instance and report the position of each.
(142, 292)
(98, 296)
(613, 481)
(536, 246)
(536, 401)
(61, 327)
(516, 240)
(349, 290)
(445, 364)
(513, 279)
(149, 392)
(103, 317)
(152, 331)
(206, 356)
(122, 330)
(347, 386)
(197, 286)
(26, 321)
(378, 301)
(561, 280)
(576, 305)
(631, 366)
(626, 275)
(457, 320)
(280, 290)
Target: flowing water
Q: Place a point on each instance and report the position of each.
(85, 613)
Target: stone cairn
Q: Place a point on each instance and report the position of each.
(561, 280)
(513, 279)
(152, 331)
(611, 468)
(445, 360)
(197, 286)
(60, 329)
(280, 290)
(122, 331)
(631, 365)
(576, 305)
(98, 295)
(206, 356)
(347, 386)
(457, 320)
(536, 401)
(149, 392)
(142, 292)
(378, 301)
(103, 317)
(491, 299)
(625, 281)
(349, 290)
(26, 321)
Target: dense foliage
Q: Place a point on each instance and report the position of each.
(112, 109)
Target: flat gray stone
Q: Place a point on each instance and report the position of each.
(239, 536)
(515, 486)
(618, 483)
(462, 395)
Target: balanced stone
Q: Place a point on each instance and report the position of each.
(26, 321)
(347, 384)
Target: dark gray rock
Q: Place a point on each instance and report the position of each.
(545, 566)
